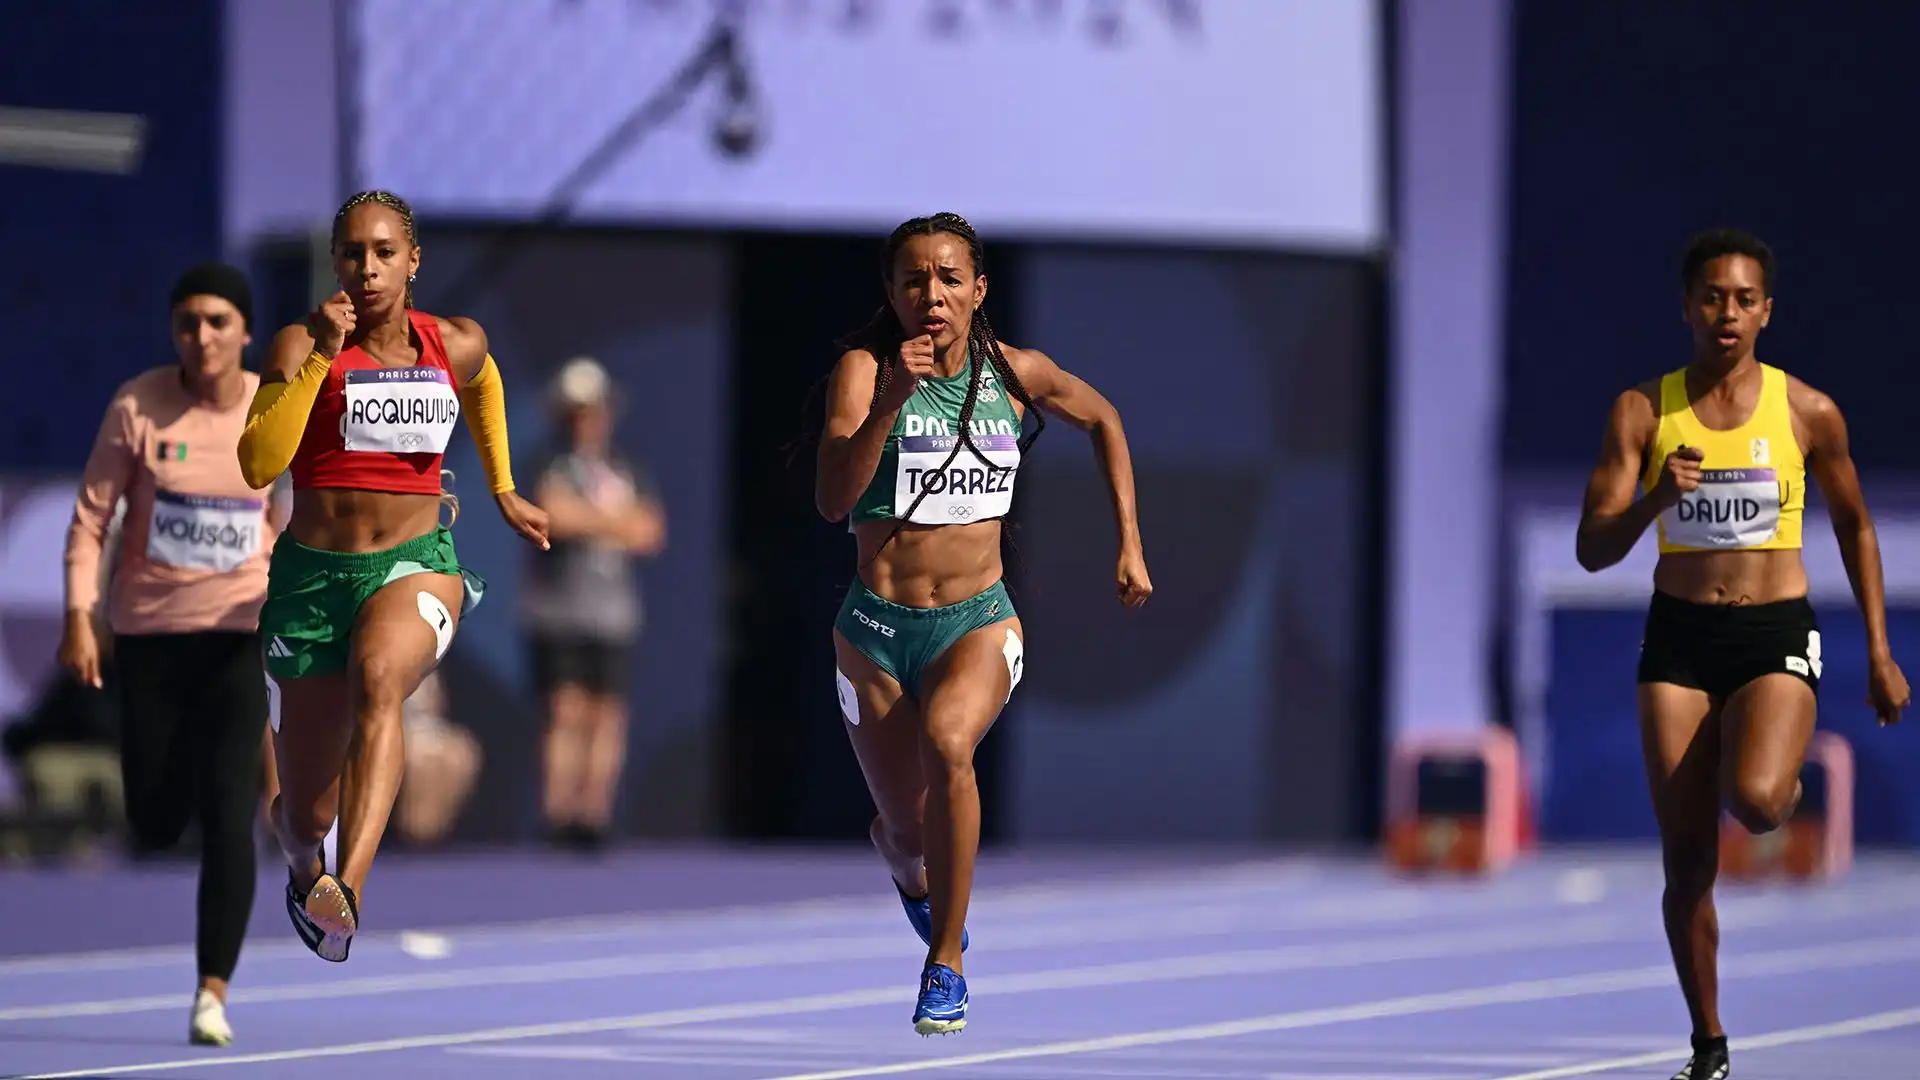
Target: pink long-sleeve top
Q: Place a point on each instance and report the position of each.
(194, 544)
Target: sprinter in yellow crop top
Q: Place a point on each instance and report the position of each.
(1719, 453)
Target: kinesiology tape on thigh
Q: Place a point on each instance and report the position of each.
(439, 619)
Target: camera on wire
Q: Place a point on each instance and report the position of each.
(736, 133)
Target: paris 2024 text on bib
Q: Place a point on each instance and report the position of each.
(964, 490)
(409, 410)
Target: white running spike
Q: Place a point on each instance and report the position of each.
(209, 1026)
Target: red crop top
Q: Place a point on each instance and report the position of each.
(378, 428)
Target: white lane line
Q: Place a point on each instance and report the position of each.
(1143, 890)
(1197, 923)
(1677, 1056)
(1354, 899)
(1347, 899)
(1204, 922)
(1785, 962)
(1782, 962)
(790, 914)
(1587, 930)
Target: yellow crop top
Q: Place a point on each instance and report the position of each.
(1753, 484)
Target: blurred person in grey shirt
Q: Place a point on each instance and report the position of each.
(582, 602)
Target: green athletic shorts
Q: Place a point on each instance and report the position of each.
(903, 641)
(314, 596)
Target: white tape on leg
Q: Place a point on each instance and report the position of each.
(1015, 653)
(849, 701)
(438, 617)
(273, 705)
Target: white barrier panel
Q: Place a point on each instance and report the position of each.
(1238, 120)
(1446, 379)
(33, 540)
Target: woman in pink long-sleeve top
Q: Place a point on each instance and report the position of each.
(188, 575)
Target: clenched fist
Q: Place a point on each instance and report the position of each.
(330, 324)
(916, 363)
(1679, 475)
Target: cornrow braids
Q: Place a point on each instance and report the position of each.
(392, 202)
(449, 501)
(883, 335)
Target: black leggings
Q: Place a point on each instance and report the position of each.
(194, 712)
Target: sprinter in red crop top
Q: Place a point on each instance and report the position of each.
(364, 591)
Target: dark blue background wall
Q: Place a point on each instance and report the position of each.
(89, 258)
(1639, 122)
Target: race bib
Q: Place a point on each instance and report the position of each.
(1732, 508)
(399, 410)
(964, 490)
(198, 532)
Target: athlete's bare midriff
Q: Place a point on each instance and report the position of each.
(929, 565)
(345, 520)
(1732, 577)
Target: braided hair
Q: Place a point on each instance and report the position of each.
(448, 500)
(392, 202)
(883, 335)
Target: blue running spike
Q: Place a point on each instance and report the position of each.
(942, 1009)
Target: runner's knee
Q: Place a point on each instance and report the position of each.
(379, 688)
(157, 824)
(1760, 803)
(947, 753)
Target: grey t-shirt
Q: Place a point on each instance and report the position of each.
(582, 587)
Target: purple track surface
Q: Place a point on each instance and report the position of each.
(764, 965)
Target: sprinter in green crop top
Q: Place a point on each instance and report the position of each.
(921, 450)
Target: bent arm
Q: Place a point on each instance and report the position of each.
(1067, 396)
(483, 399)
(644, 527)
(854, 439)
(109, 472)
(569, 515)
(640, 528)
(277, 419)
(1611, 519)
(643, 522)
(1830, 462)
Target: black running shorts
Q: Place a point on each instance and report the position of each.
(1720, 648)
(593, 664)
